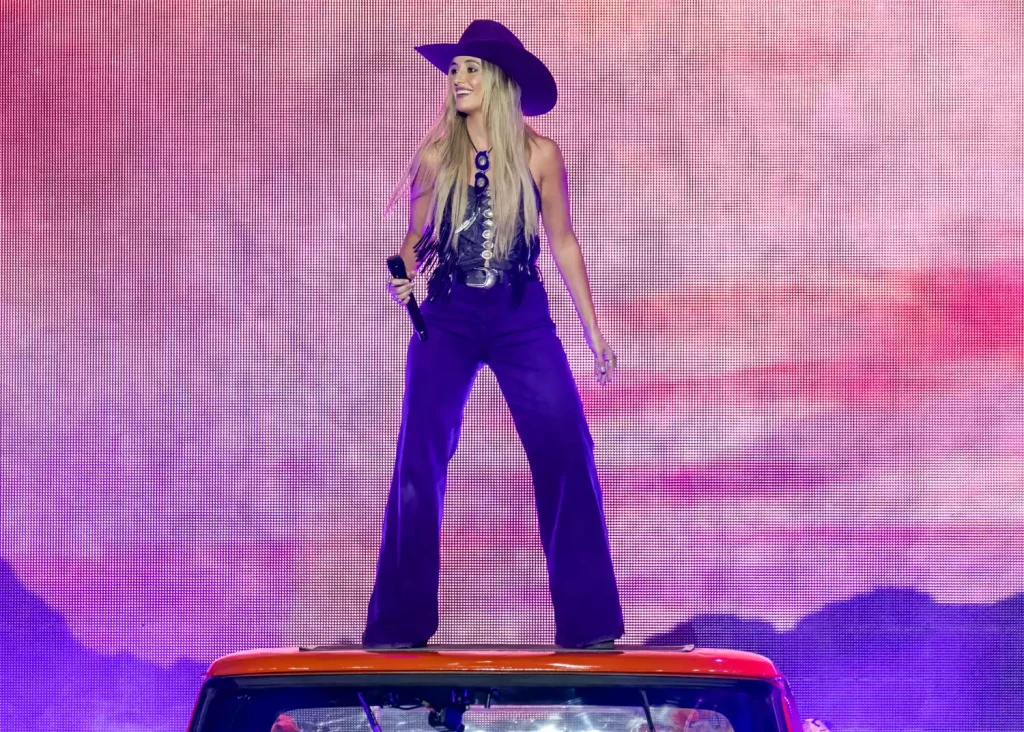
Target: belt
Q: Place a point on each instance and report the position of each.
(485, 277)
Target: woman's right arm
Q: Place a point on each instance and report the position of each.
(419, 207)
(420, 197)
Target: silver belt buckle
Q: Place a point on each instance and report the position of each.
(490, 277)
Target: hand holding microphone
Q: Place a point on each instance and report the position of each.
(400, 288)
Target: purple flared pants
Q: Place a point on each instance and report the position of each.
(519, 344)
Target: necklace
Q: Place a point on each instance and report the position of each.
(483, 164)
(482, 185)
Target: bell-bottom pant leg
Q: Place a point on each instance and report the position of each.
(534, 375)
(439, 374)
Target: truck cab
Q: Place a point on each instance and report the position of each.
(494, 689)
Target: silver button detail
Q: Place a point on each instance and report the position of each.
(487, 254)
(488, 233)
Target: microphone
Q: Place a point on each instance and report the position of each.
(396, 265)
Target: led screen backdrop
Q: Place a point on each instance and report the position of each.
(803, 224)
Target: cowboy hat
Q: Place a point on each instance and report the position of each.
(491, 41)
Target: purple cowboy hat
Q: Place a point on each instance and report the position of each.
(491, 41)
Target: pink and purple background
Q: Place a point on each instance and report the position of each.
(804, 227)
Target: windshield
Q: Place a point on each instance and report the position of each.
(542, 704)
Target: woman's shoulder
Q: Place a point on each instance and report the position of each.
(545, 155)
(543, 148)
(425, 167)
(429, 155)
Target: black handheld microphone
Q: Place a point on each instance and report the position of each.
(396, 265)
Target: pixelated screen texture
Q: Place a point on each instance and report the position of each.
(802, 225)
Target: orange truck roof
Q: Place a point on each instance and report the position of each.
(440, 659)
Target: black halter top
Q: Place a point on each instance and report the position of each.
(434, 252)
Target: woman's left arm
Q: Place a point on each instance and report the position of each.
(565, 248)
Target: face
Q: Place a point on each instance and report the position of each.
(466, 83)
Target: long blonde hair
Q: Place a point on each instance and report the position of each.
(447, 146)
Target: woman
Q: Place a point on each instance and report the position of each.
(481, 166)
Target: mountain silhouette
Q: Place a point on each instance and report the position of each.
(891, 659)
(49, 681)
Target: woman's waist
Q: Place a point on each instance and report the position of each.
(487, 277)
(473, 244)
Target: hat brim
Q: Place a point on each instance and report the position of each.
(539, 91)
